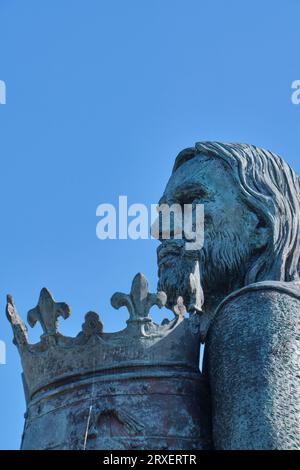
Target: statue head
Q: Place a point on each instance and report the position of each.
(251, 201)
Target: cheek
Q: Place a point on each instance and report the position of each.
(226, 217)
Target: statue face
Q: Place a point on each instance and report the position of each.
(231, 231)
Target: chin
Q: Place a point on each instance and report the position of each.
(173, 276)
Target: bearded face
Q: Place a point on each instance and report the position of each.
(229, 233)
(221, 263)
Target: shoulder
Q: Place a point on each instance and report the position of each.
(256, 315)
(267, 297)
(254, 319)
(262, 289)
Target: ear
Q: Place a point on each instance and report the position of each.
(262, 234)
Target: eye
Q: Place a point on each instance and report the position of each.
(195, 198)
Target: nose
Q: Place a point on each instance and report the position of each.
(168, 223)
(156, 229)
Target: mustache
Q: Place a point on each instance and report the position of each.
(174, 248)
(222, 262)
(170, 247)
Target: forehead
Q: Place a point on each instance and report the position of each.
(208, 171)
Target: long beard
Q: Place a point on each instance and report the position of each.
(174, 277)
(222, 262)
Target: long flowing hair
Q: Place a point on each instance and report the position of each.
(272, 190)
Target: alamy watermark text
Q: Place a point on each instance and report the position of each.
(164, 222)
(296, 93)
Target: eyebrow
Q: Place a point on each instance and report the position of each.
(193, 188)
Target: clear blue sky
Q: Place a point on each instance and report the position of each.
(101, 95)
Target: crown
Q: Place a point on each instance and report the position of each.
(58, 359)
(140, 387)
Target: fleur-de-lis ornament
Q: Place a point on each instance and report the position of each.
(18, 326)
(140, 300)
(47, 312)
